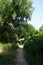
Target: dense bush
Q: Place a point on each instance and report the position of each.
(8, 46)
(7, 58)
(33, 47)
(7, 53)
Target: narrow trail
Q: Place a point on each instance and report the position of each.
(20, 59)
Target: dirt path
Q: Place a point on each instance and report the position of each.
(20, 59)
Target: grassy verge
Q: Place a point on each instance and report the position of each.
(7, 58)
(8, 47)
(7, 53)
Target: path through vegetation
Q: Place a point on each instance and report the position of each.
(20, 59)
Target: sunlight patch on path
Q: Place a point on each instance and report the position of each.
(20, 46)
(20, 60)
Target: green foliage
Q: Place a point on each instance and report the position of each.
(7, 58)
(41, 28)
(7, 34)
(20, 9)
(14, 12)
(7, 53)
(8, 46)
(27, 30)
(33, 47)
(31, 30)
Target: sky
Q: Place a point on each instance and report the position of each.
(37, 16)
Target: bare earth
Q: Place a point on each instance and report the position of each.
(20, 59)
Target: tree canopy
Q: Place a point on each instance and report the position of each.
(13, 13)
(41, 28)
(19, 10)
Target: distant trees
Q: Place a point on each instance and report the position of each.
(31, 30)
(41, 28)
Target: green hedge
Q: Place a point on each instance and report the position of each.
(33, 47)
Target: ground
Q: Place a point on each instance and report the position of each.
(19, 56)
(9, 58)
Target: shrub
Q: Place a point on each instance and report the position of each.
(7, 58)
(34, 49)
(8, 46)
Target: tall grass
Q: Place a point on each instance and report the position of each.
(7, 58)
(8, 46)
(7, 53)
